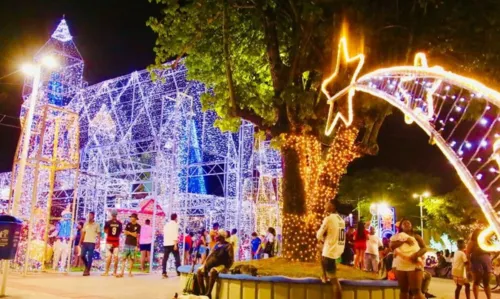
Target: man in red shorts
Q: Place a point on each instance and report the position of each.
(113, 229)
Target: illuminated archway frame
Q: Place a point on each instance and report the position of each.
(422, 111)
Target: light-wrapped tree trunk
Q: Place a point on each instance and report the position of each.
(311, 177)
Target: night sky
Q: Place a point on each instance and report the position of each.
(113, 40)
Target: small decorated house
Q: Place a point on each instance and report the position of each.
(146, 210)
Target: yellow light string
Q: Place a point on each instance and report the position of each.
(320, 178)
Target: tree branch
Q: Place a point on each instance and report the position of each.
(227, 59)
(251, 116)
(272, 47)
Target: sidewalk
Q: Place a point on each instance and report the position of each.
(75, 286)
(142, 286)
(445, 289)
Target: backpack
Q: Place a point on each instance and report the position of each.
(191, 286)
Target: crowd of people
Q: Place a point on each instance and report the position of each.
(138, 238)
(400, 257)
(198, 245)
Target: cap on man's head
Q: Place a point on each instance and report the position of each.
(134, 215)
(114, 212)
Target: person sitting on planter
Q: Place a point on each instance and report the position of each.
(219, 260)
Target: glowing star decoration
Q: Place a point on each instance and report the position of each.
(420, 61)
(62, 32)
(342, 57)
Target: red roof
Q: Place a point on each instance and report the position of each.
(146, 207)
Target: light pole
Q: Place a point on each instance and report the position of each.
(421, 197)
(35, 71)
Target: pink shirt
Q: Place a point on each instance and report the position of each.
(146, 236)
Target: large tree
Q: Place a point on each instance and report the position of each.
(264, 62)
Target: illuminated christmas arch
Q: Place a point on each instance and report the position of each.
(460, 114)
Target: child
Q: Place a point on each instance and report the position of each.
(458, 270)
(262, 247)
(255, 246)
(405, 251)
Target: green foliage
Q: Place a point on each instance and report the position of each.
(278, 52)
(377, 185)
(455, 214)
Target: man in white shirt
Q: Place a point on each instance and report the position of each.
(170, 240)
(332, 233)
(89, 242)
(373, 243)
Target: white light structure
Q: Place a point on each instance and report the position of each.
(136, 138)
(36, 72)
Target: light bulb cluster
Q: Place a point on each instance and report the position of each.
(49, 184)
(320, 176)
(460, 114)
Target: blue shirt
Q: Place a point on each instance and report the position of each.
(64, 229)
(255, 244)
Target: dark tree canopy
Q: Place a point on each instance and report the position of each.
(265, 60)
(456, 214)
(393, 187)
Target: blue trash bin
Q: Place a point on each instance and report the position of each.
(10, 233)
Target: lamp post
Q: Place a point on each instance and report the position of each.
(421, 197)
(35, 71)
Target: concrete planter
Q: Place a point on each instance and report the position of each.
(242, 286)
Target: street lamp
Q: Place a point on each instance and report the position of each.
(35, 71)
(421, 197)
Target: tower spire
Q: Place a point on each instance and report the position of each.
(62, 31)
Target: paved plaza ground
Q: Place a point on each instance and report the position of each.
(142, 286)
